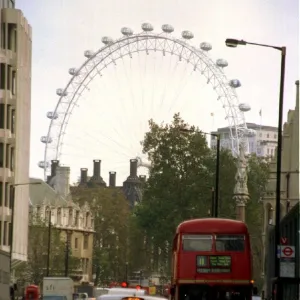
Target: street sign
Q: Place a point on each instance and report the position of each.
(287, 251)
(283, 241)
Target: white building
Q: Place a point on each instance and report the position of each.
(263, 143)
(15, 107)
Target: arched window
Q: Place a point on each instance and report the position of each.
(77, 218)
(59, 216)
(87, 219)
(70, 217)
(47, 215)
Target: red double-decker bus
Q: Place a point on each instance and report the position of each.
(211, 260)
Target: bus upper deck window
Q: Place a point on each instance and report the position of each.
(197, 242)
(234, 243)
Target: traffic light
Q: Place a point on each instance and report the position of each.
(138, 287)
(124, 284)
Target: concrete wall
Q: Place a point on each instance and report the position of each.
(17, 101)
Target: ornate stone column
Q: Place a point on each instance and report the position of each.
(240, 193)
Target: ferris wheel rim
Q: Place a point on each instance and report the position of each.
(216, 73)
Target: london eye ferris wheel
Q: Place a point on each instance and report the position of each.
(186, 63)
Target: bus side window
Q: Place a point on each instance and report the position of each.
(175, 243)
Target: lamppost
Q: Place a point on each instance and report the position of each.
(215, 190)
(13, 217)
(235, 43)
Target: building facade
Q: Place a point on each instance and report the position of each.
(262, 143)
(75, 223)
(15, 107)
(289, 174)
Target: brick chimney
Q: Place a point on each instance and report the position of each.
(96, 178)
(133, 167)
(97, 168)
(54, 165)
(83, 175)
(112, 179)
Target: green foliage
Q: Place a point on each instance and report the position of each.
(111, 214)
(179, 188)
(35, 268)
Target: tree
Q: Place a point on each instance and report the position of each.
(34, 269)
(111, 214)
(179, 186)
(258, 175)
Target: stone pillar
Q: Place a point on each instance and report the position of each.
(240, 193)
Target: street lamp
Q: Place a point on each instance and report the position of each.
(215, 191)
(13, 216)
(235, 43)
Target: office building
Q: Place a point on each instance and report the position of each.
(262, 143)
(15, 102)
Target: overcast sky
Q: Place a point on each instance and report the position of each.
(64, 29)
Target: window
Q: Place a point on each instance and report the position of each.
(9, 234)
(197, 242)
(234, 243)
(7, 189)
(13, 83)
(12, 36)
(13, 120)
(58, 216)
(268, 151)
(1, 189)
(76, 243)
(87, 219)
(2, 77)
(85, 242)
(1, 155)
(12, 159)
(5, 233)
(3, 35)
(70, 221)
(268, 135)
(77, 218)
(2, 113)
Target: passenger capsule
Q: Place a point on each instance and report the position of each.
(43, 165)
(244, 107)
(73, 72)
(52, 115)
(205, 46)
(126, 31)
(222, 63)
(46, 139)
(167, 28)
(147, 27)
(235, 83)
(106, 40)
(88, 53)
(187, 35)
(61, 92)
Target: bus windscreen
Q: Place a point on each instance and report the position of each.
(197, 242)
(230, 243)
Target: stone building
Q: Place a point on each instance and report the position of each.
(289, 174)
(76, 223)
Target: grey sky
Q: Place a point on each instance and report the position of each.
(64, 29)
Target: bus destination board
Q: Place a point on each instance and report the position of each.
(220, 261)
